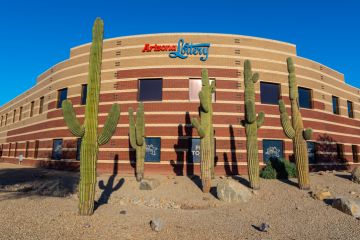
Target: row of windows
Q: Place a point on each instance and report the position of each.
(271, 149)
(270, 94)
(4, 119)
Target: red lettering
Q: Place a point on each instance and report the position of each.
(146, 47)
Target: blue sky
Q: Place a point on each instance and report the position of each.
(38, 34)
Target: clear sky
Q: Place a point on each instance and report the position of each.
(38, 34)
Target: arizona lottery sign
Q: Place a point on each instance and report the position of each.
(182, 50)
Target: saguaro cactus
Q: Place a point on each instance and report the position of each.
(295, 129)
(206, 131)
(251, 124)
(91, 140)
(137, 139)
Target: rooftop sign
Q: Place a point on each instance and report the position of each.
(182, 50)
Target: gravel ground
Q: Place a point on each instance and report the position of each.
(42, 204)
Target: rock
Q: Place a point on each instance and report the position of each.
(321, 195)
(229, 190)
(352, 192)
(175, 182)
(355, 175)
(149, 184)
(87, 225)
(264, 227)
(348, 206)
(157, 225)
(255, 192)
(206, 198)
(321, 173)
(123, 212)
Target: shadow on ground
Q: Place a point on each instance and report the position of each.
(24, 182)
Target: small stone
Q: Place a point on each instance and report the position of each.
(352, 192)
(321, 173)
(87, 225)
(175, 182)
(229, 190)
(123, 212)
(298, 208)
(355, 175)
(157, 225)
(149, 184)
(321, 195)
(255, 192)
(264, 227)
(348, 206)
(206, 198)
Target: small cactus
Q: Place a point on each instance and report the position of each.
(206, 132)
(251, 123)
(137, 139)
(295, 129)
(91, 140)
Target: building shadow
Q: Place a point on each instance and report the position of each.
(109, 188)
(132, 157)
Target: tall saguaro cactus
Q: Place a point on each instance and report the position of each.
(206, 131)
(251, 123)
(295, 129)
(137, 139)
(91, 140)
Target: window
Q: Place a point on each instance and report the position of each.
(355, 153)
(6, 117)
(9, 150)
(311, 146)
(350, 109)
(83, 94)
(340, 150)
(20, 113)
(57, 149)
(194, 89)
(78, 148)
(305, 97)
(36, 148)
(62, 95)
(335, 103)
(2, 118)
(150, 90)
(272, 149)
(14, 115)
(269, 93)
(15, 150)
(1, 150)
(153, 147)
(27, 149)
(194, 155)
(41, 105)
(32, 108)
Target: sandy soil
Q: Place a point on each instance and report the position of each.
(42, 204)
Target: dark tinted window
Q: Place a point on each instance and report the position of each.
(270, 93)
(153, 149)
(355, 152)
(340, 150)
(305, 98)
(57, 149)
(150, 90)
(350, 109)
(311, 146)
(83, 94)
(41, 105)
(335, 103)
(32, 108)
(62, 95)
(272, 149)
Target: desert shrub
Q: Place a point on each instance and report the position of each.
(278, 168)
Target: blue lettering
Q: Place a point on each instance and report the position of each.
(186, 49)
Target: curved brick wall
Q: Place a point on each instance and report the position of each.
(124, 63)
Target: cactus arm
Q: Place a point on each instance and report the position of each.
(307, 133)
(70, 119)
(255, 77)
(140, 125)
(250, 111)
(260, 119)
(110, 125)
(285, 122)
(198, 127)
(204, 101)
